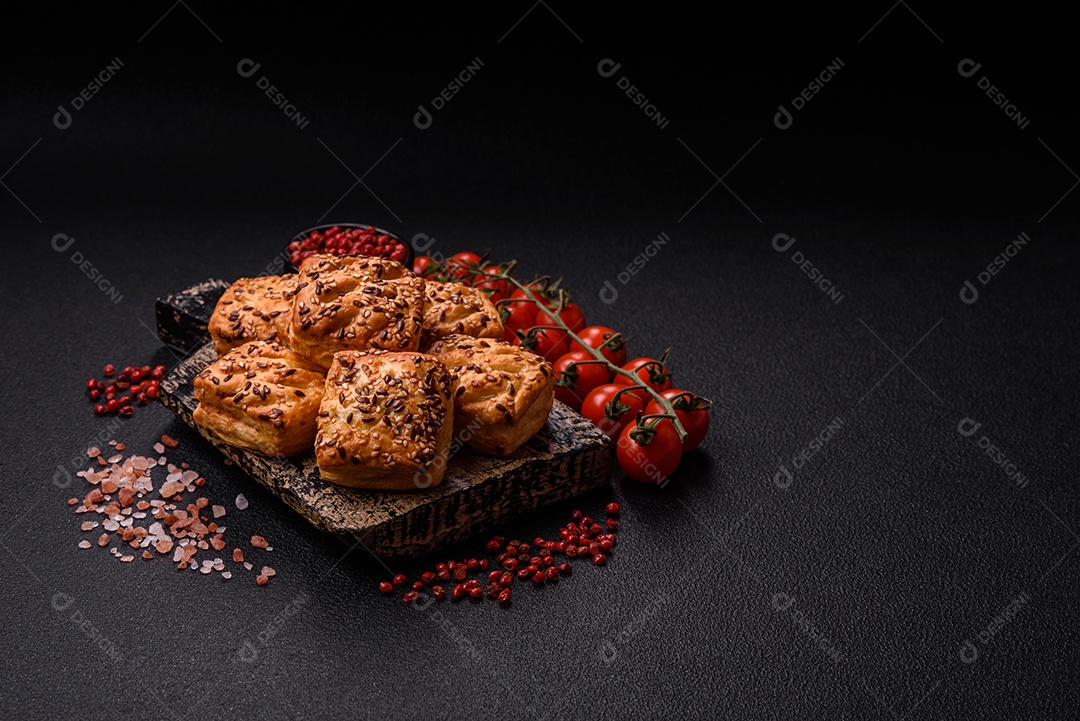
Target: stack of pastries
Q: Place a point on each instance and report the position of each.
(377, 370)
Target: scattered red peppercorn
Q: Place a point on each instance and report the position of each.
(458, 592)
(427, 577)
(400, 579)
(493, 546)
(506, 579)
(552, 574)
(337, 240)
(599, 559)
(565, 569)
(475, 591)
(505, 596)
(612, 524)
(438, 592)
(386, 587)
(612, 509)
(538, 577)
(410, 596)
(109, 370)
(418, 586)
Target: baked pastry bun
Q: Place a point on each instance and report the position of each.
(253, 309)
(354, 303)
(455, 308)
(504, 392)
(261, 396)
(386, 420)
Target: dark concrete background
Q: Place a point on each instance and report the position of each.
(858, 589)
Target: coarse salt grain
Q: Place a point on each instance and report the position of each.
(85, 544)
(241, 502)
(218, 511)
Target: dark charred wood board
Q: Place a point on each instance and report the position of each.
(569, 456)
(182, 317)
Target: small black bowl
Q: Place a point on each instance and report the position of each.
(409, 253)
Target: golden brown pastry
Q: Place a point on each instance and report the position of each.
(504, 393)
(455, 308)
(386, 420)
(354, 303)
(253, 309)
(261, 396)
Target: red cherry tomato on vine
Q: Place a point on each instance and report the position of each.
(522, 316)
(538, 292)
(420, 264)
(692, 411)
(611, 414)
(650, 372)
(597, 336)
(499, 288)
(649, 457)
(544, 343)
(588, 373)
(571, 315)
(459, 265)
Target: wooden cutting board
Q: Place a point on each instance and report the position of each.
(567, 457)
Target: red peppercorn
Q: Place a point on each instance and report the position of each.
(523, 573)
(494, 576)
(386, 587)
(458, 592)
(493, 546)
(510, 564)
(142, 399)
(576, 515)
(475, 591)
(112, 405)
(109, 370)
(136, 375)
(560, 546)
(472, 564)
(565, 569)
(547, 561)
(599, 559)
(472, 583)
(505, 596)
(99, 409)
(506, 579)
(552, 574)
(460, 573)
(594, 548)
(400, 579)
(531, 569)
(126, 411)
(418, 586)
(583, 550)
(410, 596)
(536, 561)
(538, 542)
(159, 372)
(493, 590)
(571, 551)
(606, 546)
(443, 575)
(95, 394)
(427, 577)
(595, 529)
(524, 548)
(441, 567)
(538, 577)
(612, 524)
(152, 391)
(484, 564)
(612, 509)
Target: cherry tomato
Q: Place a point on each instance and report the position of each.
(459, 264)
(420, 264)
(598, 336)
(543, 343)
(587, 374)
(692, 411)
(499, 288)
(609, 414)
(538, 292)
(522, 315)
(649, 457)
(571, 315)
(650, 372)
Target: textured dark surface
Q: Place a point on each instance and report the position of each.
(848, 594)
(567, 457)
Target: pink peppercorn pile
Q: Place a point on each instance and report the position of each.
(134, 384)
(347, 241)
